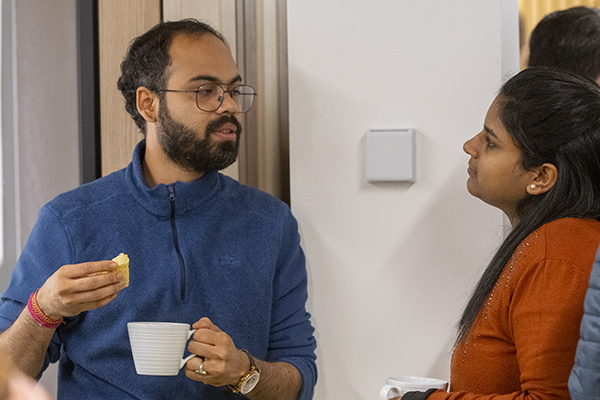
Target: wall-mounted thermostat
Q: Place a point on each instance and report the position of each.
(391, 155)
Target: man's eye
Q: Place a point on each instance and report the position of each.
(205, 92)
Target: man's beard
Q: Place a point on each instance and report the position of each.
(183, 146)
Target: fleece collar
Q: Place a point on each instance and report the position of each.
(187, 195)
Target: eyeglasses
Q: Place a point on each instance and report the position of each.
(210, 96)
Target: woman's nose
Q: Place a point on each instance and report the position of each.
(469, 147)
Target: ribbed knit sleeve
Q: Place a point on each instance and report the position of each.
(291, 336)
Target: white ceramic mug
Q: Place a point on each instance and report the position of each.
(158, 347)
(398, 385)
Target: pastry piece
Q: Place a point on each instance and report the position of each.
(122, 261)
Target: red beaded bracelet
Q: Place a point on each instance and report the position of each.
(40, 316)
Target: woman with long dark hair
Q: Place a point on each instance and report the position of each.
(538, 160)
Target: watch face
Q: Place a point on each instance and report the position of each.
(250, 383)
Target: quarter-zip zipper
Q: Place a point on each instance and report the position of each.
(176, 240)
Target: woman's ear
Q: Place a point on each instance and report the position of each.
(545, 178)
(147, 104)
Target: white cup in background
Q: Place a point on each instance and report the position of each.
(158, 347)
(398, 385)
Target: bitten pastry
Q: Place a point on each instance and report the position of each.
(122, 261)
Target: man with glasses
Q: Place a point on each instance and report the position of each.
(203, 248)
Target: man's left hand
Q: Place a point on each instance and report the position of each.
(223, 363)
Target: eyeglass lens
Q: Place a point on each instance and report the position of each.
(210, 97)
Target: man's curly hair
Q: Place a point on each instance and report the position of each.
(148, 57)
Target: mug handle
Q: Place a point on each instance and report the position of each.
(390, 391)
(185, 360)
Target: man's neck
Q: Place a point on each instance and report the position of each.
(158, 168)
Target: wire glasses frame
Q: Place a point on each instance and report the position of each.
(210, 96)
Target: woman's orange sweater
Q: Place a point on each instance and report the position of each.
(523, 343)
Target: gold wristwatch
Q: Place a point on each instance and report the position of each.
(250, 378)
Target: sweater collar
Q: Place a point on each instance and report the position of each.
(157, 200)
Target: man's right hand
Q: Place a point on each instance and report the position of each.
(79, 287)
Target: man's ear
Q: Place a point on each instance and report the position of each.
(147, 104)
(545, 178)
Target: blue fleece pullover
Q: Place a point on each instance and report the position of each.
(209, 248)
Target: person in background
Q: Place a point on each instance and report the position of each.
(584, 382)
(14, 385)
(568, 40)
(203, 248)
(536, 159)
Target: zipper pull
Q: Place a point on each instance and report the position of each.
(171, 192)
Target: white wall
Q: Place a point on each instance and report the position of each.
(391, 265)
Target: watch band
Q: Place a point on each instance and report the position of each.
(251, 359)
(251, 372)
